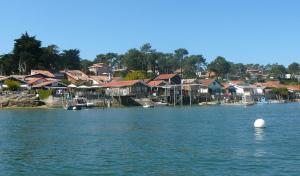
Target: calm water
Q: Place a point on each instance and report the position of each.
(159, 141)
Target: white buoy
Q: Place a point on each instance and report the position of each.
(74, 108)
(259, 123)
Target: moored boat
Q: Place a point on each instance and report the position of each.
(77, 103)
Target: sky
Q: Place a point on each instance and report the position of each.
(248, 31)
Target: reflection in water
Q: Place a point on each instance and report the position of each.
(259, 134)
(259, 137)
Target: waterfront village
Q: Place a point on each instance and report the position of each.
(104, 87)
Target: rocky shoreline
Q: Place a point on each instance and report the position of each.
(14, 100)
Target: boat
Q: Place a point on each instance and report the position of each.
(202, 103)
(263, 100)
(247, 100)
(77, 103)
(277, 101)
(160, 104)
(147, 106)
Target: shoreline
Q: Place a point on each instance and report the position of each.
(117, 107)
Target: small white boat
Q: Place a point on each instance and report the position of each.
(147, 106)
(160, 104)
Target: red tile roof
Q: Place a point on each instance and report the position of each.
(122, 83)
(165, 76)
(155, 83)
(272, 84)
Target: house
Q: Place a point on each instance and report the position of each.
(206, 74)
(211, 86)
(18, 78)
(169, 78)
(157, 88)
(126, 88)
(190, 85)
(99, 80)
(101, 69)
(76, 77)
(242, 88)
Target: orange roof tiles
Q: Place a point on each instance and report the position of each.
(155, 83)
(122, 83)
(165, 76)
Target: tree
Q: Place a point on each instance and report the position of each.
(192, 64)
(280, 92)
(134, 75)
(26, 53)
(85, 64)
(71, 59)
(7, 65)
(133, 60)
(220, 66)
(180, 55)
(108, 58)
(237, 70)
(278, 71)
(50, 59)
(294, 68)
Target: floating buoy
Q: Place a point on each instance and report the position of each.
(259, 123)
(74, 108)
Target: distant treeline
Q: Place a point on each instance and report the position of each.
(28, 54)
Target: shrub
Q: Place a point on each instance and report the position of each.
(12, 85)
(43, 94)
(136, 75)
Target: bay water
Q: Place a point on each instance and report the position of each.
(212, 140)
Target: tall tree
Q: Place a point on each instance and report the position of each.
(71, 59)
(85, 64)
(26, 53)
(108, 58)
(133, 60)
(193, 64)
(220, 66)
(180, 54)
(294, 68)
(50, 59)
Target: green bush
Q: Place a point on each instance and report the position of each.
(12, 85)
(44, 94)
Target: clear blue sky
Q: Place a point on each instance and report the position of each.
(253, 31)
